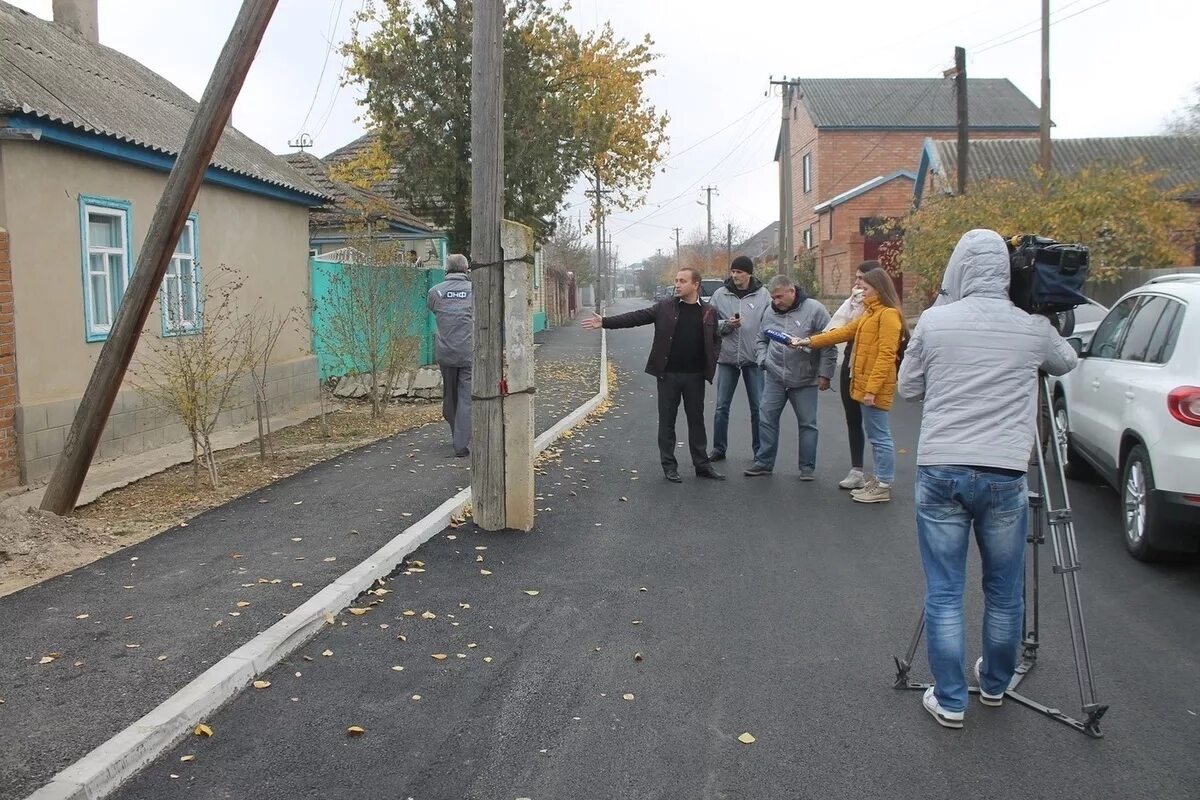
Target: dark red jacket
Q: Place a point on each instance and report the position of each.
(663, 316)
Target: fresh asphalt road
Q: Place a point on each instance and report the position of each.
(761, 605)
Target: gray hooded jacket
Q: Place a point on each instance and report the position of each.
(795, 368)
(974, 358)
(452, 303)
(737, 344)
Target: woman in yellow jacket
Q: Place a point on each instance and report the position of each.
(877, 335)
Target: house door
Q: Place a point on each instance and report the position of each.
(886, 252)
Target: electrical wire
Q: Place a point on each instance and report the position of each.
(1052, 24)
(335, 18)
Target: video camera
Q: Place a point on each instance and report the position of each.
(1047, 277)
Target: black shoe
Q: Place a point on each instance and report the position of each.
(466, 451)
(672, 475)
(711, 474)
(756, 470)
(716, 455)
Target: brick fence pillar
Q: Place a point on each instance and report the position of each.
(9, 467)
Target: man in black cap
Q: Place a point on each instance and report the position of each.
(739, 304)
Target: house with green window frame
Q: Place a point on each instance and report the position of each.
(87, 138)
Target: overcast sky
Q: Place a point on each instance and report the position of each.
(1118, 67)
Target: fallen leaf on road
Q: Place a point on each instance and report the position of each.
(485, 572)
(624, 499)
(402, 638)
(187, 758)
(331, 558)
(297, 538)
(47, 659)
(235, 613)
(161, 658)
(408, 612)
(417, 563)
(358, 612)
(464, 605)
(297, 585)
(532, 592)
(637, 656)
(133, 646)
(261, 684)
(355, 730)
(428, 615)
(327, 653)
(307, 658)
(472, 646)
(329, 617)
(643, 589)
(397, 668)
(298, 502)
(487, 659)
(746, 738)
(440, 656)
(82, 616)
(478, 559)
(627, 696)
(203, 730)
(416, 697)
(636, 622)
(242, 603)
(481, 547)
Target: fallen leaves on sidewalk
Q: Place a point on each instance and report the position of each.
(261, 684)
(203, 730)
(355, 730)
(747, 738)
(48, 658)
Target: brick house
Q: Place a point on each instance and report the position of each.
(87, 139)
(1176, 159)
(852, 144)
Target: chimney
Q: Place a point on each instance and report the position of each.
(80, 16)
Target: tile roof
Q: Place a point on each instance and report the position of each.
(908, 103)
(348, 201)
(53, 73)
(1177, 157)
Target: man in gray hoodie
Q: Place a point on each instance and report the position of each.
(740, 304)
(974, 359)
(452, 303)
(791, 374)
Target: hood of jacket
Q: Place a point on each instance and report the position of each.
(978, 267)
(754, 286)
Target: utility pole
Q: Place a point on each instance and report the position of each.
(678, 263)
(786, 221)
(708, 203)
(728, 243)
(1046, 160)
(170, 215)
(487, 210)
(609, 276)
(964, 142)
(598, 192)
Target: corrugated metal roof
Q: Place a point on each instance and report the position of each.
(1177, 157)
(53, 73)
(916, 103)
(349, 201)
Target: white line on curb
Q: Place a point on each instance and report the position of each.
(108, 766)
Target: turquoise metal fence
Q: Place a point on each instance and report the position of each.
(341, 291)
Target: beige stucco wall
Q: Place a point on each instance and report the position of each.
(266, 239)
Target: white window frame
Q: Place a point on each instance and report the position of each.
(173, 322)
(808, 243)
(122, 210)
(806, 172)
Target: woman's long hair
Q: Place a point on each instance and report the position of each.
(881, 282)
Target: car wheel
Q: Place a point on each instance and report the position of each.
(1073, 464)
(1140, 512)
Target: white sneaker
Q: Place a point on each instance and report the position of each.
(867, 486)
(853, 480)
(947, 719)
(984, 697)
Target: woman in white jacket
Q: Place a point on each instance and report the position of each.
(849, 311)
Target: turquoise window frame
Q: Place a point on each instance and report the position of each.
(197, 278)
(92, 333)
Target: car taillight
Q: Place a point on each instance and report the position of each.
(1184, 404)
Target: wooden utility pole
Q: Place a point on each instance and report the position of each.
(678, 263)
(599, 191)
(166, 226)
(1046, 160)
(708, 256)
(964, 141)
(728, 243)
(487, 209)
(786, 249)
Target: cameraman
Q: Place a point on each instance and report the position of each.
(974, 359)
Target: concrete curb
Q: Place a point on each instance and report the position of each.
(104, 769)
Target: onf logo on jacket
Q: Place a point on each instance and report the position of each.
(452, 304)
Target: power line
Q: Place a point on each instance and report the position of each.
(335, 18)
(710, 136)
(1036, 30)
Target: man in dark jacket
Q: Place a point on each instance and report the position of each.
(682, 358)
(452, 304)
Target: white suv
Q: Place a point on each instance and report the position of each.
(1131, 413)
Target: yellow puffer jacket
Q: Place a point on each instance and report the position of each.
(876, 336)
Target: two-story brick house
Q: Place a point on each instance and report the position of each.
(852, 145)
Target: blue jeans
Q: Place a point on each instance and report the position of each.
(883, 450)
(804, 403)
(949, 500)
(727, 381)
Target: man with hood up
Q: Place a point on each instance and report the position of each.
(739, 304)
(974, 359)
(791, 374)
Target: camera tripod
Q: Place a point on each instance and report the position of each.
(1045, 512)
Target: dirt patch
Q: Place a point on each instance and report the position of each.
(35, 545)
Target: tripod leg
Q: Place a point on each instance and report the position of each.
(904, 665)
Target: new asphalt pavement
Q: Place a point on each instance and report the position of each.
(622, 648)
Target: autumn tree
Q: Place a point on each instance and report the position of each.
(568, 249)
(572, 105)
(1186, 121)
(1117, 211)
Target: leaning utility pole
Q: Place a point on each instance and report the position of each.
(785, 177)
(487, 210)
(1046, 160)
(166, 226)
(708, 203)
(964, 141)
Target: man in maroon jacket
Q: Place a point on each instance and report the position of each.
(682, 358)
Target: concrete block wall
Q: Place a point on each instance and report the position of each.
(10, 468)
(136, 425)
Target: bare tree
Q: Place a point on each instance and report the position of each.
(265, 329)
(1186, 120)
(195, 372)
